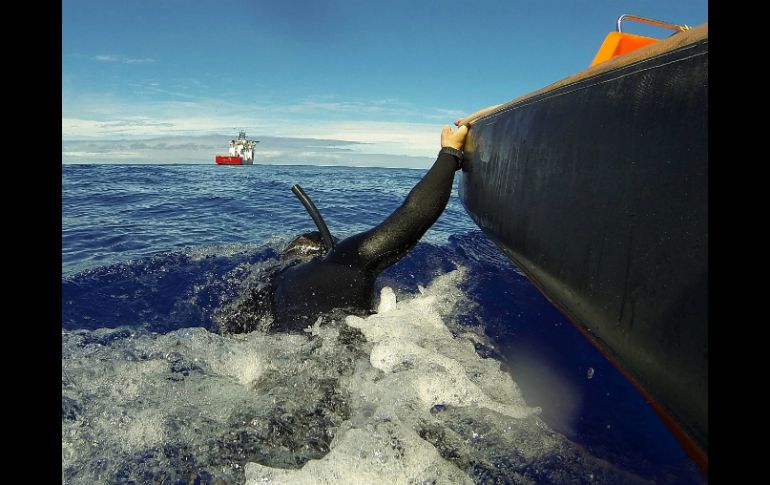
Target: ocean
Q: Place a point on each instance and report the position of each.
(465, 374)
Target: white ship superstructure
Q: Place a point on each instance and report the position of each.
(244, 148)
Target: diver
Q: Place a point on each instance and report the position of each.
(327, 275)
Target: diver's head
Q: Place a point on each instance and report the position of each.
(305, 246)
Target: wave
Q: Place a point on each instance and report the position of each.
(443, 384)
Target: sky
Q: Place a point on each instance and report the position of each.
(338, 82)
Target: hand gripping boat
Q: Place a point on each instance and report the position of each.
(597, 188)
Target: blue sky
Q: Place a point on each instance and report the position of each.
(384, 74)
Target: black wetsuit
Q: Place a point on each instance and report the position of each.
(344, 278)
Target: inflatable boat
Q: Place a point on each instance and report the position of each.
(596, 187)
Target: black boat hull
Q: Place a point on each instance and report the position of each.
(598, 190)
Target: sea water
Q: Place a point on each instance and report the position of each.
(464, 374)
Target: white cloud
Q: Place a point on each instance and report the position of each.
(374, 137)
(373, 108)
(202, 149)
(119, 155)
(107, 118)
(121, 59)
(106, 58)
(383, 137)
(272, 153)
(138, 61)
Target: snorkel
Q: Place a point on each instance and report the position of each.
(328, 240)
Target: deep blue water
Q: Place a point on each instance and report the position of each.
(160, 248)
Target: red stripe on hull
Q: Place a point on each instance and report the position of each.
(224, 160)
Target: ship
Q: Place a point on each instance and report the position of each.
(596, 187)
(241, 151)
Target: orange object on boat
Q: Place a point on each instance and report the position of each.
(618, 43)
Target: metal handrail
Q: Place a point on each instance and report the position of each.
(659, 23)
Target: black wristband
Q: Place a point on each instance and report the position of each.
(458, 154)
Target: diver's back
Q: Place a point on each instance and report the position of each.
(307, 290)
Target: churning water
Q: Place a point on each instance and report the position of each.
(465, 374)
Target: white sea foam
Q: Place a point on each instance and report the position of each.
(185, 389)
(416, 364)
(377, 452)
(400, 396)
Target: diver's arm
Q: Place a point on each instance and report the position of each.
(378, 248)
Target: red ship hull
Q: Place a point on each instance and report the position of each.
(227, 160)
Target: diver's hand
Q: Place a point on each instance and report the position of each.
(454, 139)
